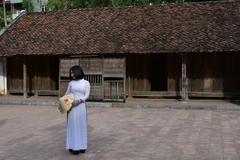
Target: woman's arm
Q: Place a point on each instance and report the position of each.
(86, 95)
(87, 92)
(68, 89)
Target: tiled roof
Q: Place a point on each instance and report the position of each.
(175, 28)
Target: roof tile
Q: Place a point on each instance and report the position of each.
(188, 27)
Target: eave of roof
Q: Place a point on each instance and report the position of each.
(173, 28)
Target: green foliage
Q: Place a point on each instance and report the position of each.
(27, 5)
(70, 4)
(56, 4)
(119, 3)
(1, 18)
(8, 17)
(143, 2)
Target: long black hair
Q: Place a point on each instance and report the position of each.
(77, 73)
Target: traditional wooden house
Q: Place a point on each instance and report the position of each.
(177, 50)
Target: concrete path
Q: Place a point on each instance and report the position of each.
(38, 133)
(206, 104)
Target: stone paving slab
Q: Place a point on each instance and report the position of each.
(38, 133)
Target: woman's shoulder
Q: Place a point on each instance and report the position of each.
(70, 82)
(79, 81)
(86, 81)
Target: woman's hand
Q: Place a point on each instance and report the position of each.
(76, 102)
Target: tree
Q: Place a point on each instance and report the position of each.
(27, 5)
(70, 4)
(1, 18)
(54, 5)
(57, 5)
(8, 18)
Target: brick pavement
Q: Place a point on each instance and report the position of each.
(38, 133)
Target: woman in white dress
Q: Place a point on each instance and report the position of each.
(77, 117)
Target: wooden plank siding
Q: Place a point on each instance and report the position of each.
(153, 75)
(15, 74)
(215, 75)
(174, 73)
(138, 70)
(41, 75)
(140, 75)
(93, 69)
(105, 74)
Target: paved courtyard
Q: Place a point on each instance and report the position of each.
(38, 133)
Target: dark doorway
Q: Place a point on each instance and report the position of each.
(158, 73)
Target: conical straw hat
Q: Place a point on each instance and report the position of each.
(65, 102)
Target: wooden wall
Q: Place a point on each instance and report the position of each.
(209, 75)
(42, 74)
(214, 75)
(138, 68)
(174, 72)
(105, 74)
(14, 74)
(153, 75)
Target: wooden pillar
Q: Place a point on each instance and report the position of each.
(103, 84)
(124, 78)
(5, 75)
(184, 84)
(24, 78)
(59, 77)
(129, 87)
(129, 68)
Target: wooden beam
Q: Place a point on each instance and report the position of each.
(59, 77)
(129, 69)
(24, 78)
(48, 92)
(129, 87)
(184, 84)
(103, 92)
(215, 94)
(155, 94)
(124, 78)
